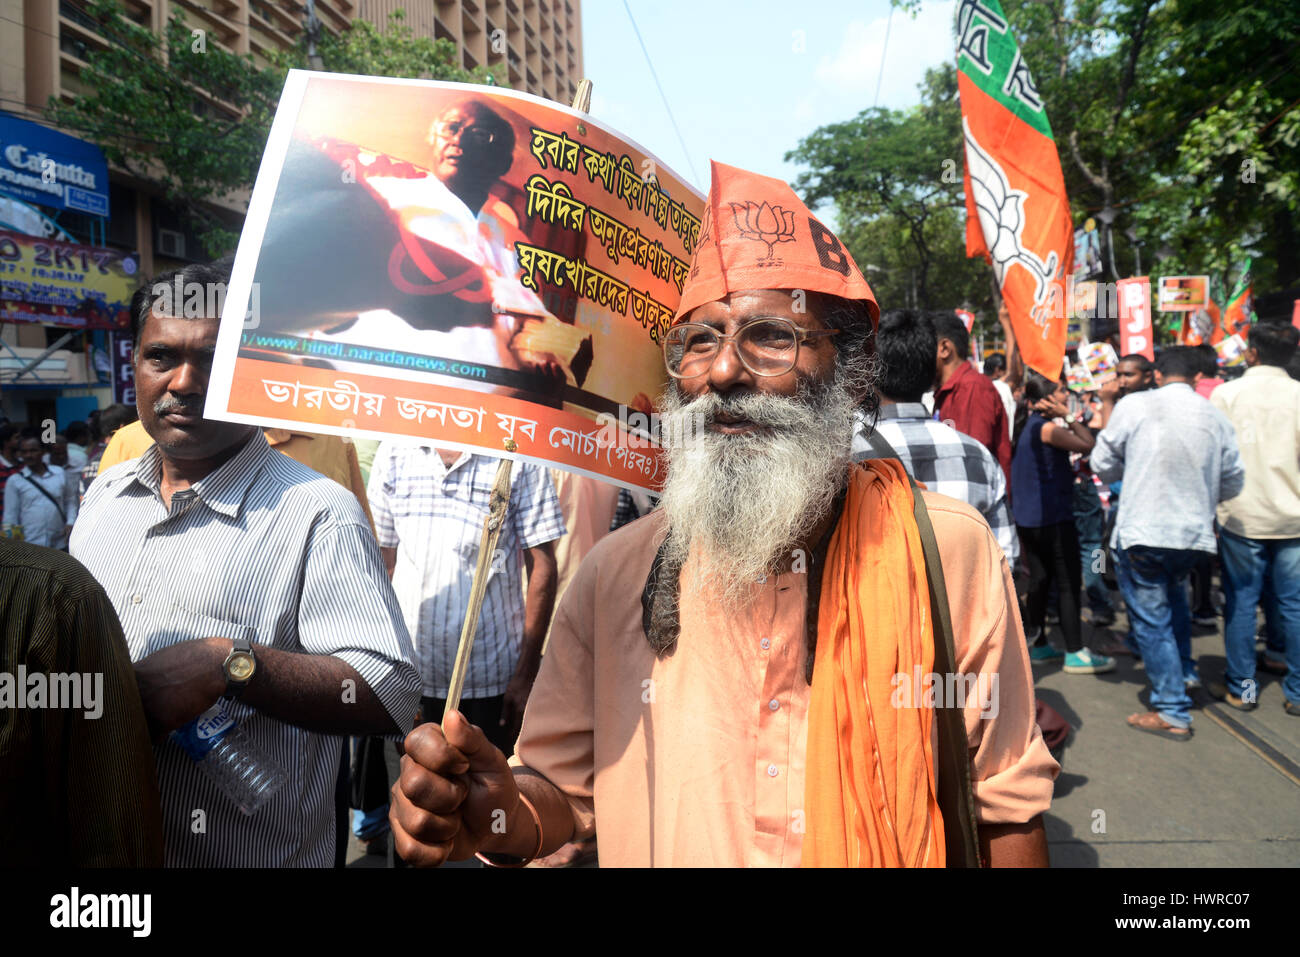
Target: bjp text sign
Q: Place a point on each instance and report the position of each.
(64, 284)
(455, 266)
(1135, 333)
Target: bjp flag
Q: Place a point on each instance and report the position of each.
(1202, 326)
(1239, 313)
(1017, 213)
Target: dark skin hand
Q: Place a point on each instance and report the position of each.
(1014, 845)
(181, 681)
(455, 785)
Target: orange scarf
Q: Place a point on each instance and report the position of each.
(869, 790)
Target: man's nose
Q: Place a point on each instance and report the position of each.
(727, 371)
(188, 379)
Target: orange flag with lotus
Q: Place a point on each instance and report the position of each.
(1017, 212)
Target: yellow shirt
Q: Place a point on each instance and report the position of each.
(697, 759)
(1264, 408)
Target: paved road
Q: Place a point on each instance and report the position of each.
(1230, 797)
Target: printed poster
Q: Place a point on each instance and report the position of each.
(65, 284)
(1100, 360)
(1184, 293)
(456, 265)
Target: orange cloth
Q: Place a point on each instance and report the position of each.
(698, 758)
(870, 766)
(757, 234)
(327, 454)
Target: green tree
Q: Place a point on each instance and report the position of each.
(179, 112)
(1180, 116)
(1183, 118)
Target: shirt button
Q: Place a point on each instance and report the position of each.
(765, 644)
(136, 598)
(774, 704)
(772, 771)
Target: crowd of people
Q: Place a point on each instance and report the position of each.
(727, 680)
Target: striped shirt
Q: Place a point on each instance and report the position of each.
(434, 517)
(948, 462)
(267, 549)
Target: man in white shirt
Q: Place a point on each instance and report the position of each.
(41, 498)
(429, 506)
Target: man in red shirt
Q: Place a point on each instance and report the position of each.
(965, 399)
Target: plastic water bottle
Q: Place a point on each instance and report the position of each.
(228, 756)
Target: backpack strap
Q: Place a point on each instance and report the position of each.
(956, 795)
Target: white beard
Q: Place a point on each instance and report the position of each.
(739, 505)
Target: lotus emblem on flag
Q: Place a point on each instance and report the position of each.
(1002, 219)
(766, 223)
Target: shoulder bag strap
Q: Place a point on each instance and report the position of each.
(956, 795)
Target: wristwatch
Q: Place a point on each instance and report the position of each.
(239, 667)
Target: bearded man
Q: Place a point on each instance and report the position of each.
(728, 681)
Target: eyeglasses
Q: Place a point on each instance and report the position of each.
(477, 136)
(768, 345)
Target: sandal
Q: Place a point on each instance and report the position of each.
(1152, 723)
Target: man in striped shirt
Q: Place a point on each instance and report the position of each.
(938, 456)
(210, 540)
(429, 506)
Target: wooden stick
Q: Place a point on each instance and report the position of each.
(582, 98)
(498, 503)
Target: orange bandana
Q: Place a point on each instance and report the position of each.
(869, 787)
(757, 234)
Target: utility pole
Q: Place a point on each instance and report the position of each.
(311, 27)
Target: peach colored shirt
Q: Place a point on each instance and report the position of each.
(697, 759)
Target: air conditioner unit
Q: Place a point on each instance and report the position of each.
(171, 243)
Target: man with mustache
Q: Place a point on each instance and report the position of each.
(724, 682)
(250, 589)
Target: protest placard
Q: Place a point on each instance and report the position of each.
(1100, 360)
(456, 265)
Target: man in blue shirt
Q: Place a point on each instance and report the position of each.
(1178, 458)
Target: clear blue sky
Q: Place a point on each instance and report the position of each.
(747, 80)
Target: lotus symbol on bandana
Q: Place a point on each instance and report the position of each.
(1002, 218)
(766, 223)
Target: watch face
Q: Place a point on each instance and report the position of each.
(240, 666)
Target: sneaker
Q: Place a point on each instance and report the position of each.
(1205, 621)
(1192, 683)
(1085, 662)
(1266, 663)
(1103, 619)
(1045, 653)
(1292, 708)
(1221, 692)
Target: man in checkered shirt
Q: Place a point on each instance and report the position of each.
(937, 456)
(429, 506)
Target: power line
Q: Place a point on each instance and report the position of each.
(883, 55)
(662, 95)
